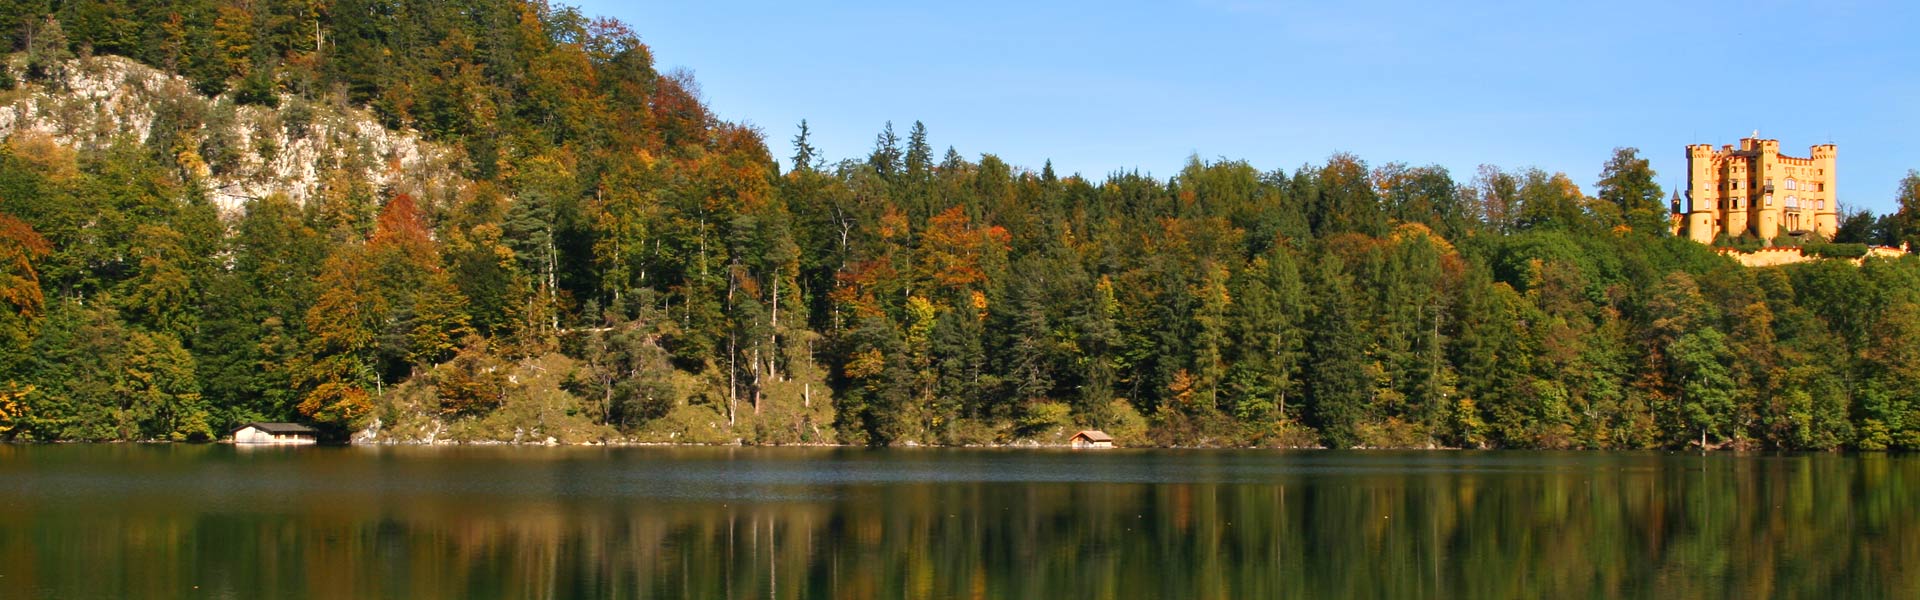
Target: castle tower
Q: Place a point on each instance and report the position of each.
(1702, 220)
(1736, 177)
(1766, 214)
(1826, 215)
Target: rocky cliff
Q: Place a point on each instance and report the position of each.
(236, 152)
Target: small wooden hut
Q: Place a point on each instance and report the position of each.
(1091, 439)
(275, 433)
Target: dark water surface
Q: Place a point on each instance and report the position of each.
(130, 521)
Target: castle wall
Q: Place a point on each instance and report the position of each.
(1773, 257)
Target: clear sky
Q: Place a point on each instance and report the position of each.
(1101, 86)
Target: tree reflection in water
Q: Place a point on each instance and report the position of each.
(157, 521)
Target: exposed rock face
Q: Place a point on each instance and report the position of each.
(236, 152)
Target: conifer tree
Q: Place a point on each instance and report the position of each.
(805, 155)
(919, 158)
(1337, 383)
(885, 158)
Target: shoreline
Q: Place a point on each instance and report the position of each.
(1016, 446)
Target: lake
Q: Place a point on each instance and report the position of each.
(216, 521)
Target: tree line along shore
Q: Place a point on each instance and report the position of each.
(595, 257)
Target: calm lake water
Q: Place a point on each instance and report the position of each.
(131, 521)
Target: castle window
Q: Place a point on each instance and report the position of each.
(1790, 183)
(1793, 202)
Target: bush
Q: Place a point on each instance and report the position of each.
(689, 424)
(1125, 424)
(1743, 243)
(1392, 433)
(1197, 428)
(480, 397)
(266, 148)
(219, 143)
(971, 432)
(258, 89)
(298, 118)
(1286, 433)
(1046, 419)
(1830, 250)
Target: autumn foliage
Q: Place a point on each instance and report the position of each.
(605, 259)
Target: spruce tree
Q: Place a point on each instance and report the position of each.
(804, 154)
(1337, 381)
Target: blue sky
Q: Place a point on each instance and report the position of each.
(1105, 86)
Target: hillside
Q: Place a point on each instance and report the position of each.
(497, 221)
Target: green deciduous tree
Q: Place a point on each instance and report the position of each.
(1626, 183)
(1705, 383)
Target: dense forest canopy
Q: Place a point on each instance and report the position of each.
(612, 262)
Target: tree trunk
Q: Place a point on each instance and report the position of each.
(732, 387)
(773, 333)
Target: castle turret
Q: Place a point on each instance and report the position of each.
(1703, 195)
(1766, 169)
(1826, 215)
(1676, 218)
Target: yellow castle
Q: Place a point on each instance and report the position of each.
(1758, 191)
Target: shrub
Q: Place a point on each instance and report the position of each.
(258, 89)
(1125, 424)
(1830, 250)
(298, 118)
(1743, 243)
(1047, 418)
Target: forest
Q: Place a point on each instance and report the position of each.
(610, 262)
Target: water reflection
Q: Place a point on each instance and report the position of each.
(156, 521)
